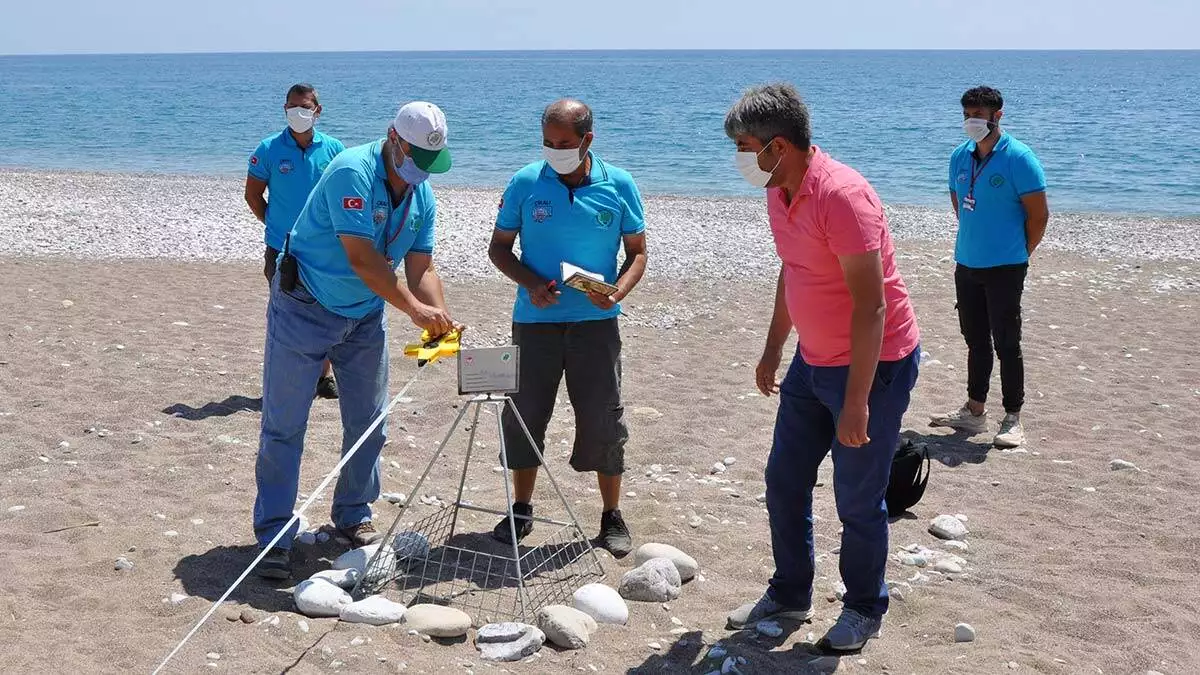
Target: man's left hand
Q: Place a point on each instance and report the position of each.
(605, 302)
(852, 426)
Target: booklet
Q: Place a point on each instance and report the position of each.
(583, 280)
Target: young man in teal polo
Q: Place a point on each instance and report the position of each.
(572, 208)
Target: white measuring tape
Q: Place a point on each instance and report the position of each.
(295, 517)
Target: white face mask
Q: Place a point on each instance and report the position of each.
(747, 164)
(300, 119)
(564, 160)
(977, 129)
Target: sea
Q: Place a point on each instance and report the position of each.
(1116, 131)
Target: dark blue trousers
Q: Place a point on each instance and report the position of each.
(805, 430)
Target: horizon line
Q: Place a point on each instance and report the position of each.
(608, 50)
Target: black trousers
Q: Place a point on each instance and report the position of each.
(989, 315)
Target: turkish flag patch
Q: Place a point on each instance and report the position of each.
(253, 160)
(352, 203)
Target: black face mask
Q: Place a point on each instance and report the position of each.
(907, 483)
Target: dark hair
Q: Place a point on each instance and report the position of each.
(770, 111)
(983, 97)
(569, 112)
(304, 89)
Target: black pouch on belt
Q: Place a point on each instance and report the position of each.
(289, 275)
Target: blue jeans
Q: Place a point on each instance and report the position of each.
(806, 428)
(301, 334)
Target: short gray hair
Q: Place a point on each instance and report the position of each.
(770, 111)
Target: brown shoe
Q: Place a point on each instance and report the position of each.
(362, 534)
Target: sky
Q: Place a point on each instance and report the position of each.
(140, 26)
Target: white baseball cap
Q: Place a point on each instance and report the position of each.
(423, 125)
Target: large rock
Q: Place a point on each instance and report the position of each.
(375, 610)
(565, 626)
(501, 632)
(656, 580)
(686, 564)
(602, 604)
(317, 597)
(529, 642)
(438, 621)
(948, 527)
(340, 578)
(410, 545)
(359, 558)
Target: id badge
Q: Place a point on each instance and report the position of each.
(968, 203)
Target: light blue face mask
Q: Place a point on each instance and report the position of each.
(408, 170)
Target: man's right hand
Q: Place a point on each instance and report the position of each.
(768, 366)
(432, 319)
(544, 295)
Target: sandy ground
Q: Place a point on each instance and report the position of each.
(128, 399)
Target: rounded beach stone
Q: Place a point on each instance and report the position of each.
(438, 621)
(526, 645)
(686, 564)
(948, 527)
(410, 545)
(656, 580)
(375, 610)
(963, 632)
(359, 558)
(565, 626)
(317, 598)
(602, 604)
(340, 578)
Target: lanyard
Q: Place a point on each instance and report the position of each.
(408, 200)
(975, 173)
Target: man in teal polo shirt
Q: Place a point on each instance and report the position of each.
(570, 208)
(998, 191)
(289, 164)
(370, 212)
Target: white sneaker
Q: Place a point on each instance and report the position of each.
(962, 420)
(1012, 434)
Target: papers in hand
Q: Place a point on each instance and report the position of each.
(583, 280)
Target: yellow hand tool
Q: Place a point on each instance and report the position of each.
(431, 349)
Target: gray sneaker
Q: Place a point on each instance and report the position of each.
(1012, 434)
(962, 420)
(851, 631)
(765, 608)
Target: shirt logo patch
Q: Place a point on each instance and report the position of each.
(417, 224)
(380, 215)
(285, 166)
(253, 160)
(962, 176)
(542, 211)
(352, 203)
(996, 180)
(604, 217)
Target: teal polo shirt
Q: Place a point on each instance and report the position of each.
(352, 198)
(290, 173)
(993, 233)
(582, 226)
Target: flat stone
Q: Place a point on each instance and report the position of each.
(340, 578)
(602, 603)
(948, 527)
(656, 580)
(393, 497)
(957, 545)
(964, 632)
(177, 598)
(123, 564)
(947, 567)
(438, 621)
(501, 632)
(375, 610)
(566, 627)
(1122, 465)
(317, 598)
(684, 563)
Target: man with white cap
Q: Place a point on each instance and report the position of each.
(371, 210)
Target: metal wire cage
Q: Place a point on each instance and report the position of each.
(431, 560)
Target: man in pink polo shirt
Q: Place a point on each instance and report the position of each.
(848, 386)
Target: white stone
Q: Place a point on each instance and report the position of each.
(729, 461)
(947, 567)
(527, 645)
(686, 564)
(957, 545)
(565, 626)
(302, 625)
(14, 509)
(213, 656)
(375, 610)
(913, 560)
(602, 603)
(963, 632)
(656, 580)
(438, 621)
(717, 468)
(177, 598)
(501, 632)
(359, 558)
(769, 628)
(655, 646)
(1122, 465)
(393, 497)
(839, 590)
(961, 517)
(340, 578)
(170, 533)
(317, 598)
(410, 545)
(948, 527)
(123, 564)
(358, 641)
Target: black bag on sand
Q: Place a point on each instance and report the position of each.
(907, 483)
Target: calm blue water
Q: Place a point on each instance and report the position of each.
(1111, 128)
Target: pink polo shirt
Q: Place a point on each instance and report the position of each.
(836, 212)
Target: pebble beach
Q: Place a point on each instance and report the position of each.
(130, 367)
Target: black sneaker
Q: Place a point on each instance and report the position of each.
(327, 387)
(277, 564)
(503, 532)
(614, 534)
